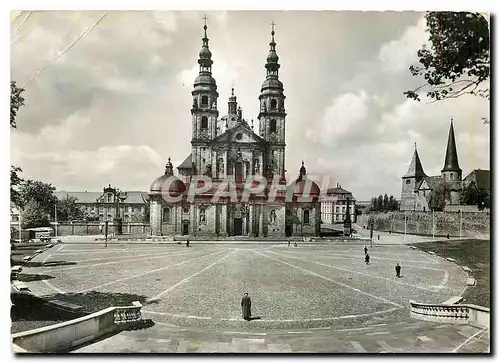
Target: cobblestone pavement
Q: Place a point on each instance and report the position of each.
(304, 296)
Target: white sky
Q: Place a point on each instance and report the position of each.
(115, 106)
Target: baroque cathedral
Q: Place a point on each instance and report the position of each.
(228, 147)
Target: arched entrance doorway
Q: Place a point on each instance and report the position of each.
(185, 227)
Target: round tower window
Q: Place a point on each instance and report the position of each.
(239, 136)
(186, 210)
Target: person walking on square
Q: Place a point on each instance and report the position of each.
(295, 244)
(187, 242)
(398, 270)
(367, 259)
(289, 242)
(246, 304)
(366, 251)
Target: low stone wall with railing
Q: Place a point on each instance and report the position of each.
(457, 314)
(65, 336)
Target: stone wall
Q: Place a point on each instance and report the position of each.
(96, 228)
(473, 223)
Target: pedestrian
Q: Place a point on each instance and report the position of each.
(289, 242)
(367, 259)
(398, 270)
(448, 236)
(366, 251)
(295, 244)
(246, 305)
(187, 242)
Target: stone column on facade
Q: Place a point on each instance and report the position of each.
(250, 216)
(192, 217)
(223, 220)
(225, 163)
(261, 163)
(261, 221)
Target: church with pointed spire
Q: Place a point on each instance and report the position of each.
(417, 187)
(232, 147)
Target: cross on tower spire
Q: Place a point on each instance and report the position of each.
(205, 18)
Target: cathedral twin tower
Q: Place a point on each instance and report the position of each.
(208, 127)
(228, 148)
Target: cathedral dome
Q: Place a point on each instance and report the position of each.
(304, 186)
(175, 186)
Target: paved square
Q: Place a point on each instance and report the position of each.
(297, 293)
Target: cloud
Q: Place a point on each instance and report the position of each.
(398, 55)
(342, 116)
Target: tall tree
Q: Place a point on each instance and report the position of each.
(15, 182)
(435, 201)
(16, 101)
(68, 209)
(380, 203)
(40, 193)
(386, 203)
(458, 60)
(34, 216)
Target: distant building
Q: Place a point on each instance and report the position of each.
(417, 187)
(102, 206)
(334, 205)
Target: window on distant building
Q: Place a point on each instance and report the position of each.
(407, 181)
(273, 104)
(204, 100)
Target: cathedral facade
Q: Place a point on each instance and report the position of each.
(233, 182)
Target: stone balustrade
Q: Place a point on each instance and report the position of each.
(127, 314)
(63, 337)
(457, 314)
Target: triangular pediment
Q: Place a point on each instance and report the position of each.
(239, 134)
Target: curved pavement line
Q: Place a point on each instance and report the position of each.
(148, 272)
(183, 316)
(365, 274)
(116, 257)
(162, 255)
(189, 277)
(328, 279)
(334, 255)
(342, 257)
(52, 287)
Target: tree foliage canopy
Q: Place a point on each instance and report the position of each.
(16, 101)
(68, 209)
(34, 216)
(40, 193)
(458, 60)
(384, 204)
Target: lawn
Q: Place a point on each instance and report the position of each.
(472, 253)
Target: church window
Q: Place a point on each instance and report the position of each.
(306, 217)
(204, 122)
(204, 100)
(166, 215)
(272, 126)
(273, 104)
(186, 210)
(407, 181)
(238, 136)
